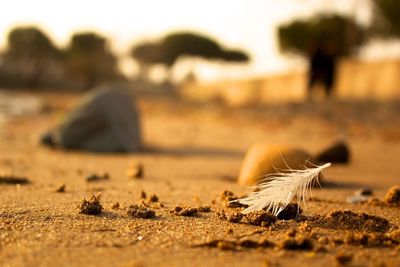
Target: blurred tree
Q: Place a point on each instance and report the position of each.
(182, 44)
(146, 55)
(386, 20)
(28, 53)
(235, 56)
(302, 36)
(29, 42)
(89, 58)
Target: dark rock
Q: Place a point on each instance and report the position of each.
(364, 192)
(153, 198)
(337, 153)
(290, 212)
(61, 189)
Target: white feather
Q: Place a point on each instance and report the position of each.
(278, 190)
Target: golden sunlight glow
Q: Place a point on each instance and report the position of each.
(245, 24)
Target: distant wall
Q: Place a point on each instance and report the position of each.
(355, 80)
(369, 80)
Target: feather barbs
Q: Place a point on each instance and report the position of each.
(277, 190)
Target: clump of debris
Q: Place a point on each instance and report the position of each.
(152, 201)
(260, 218)
(228, 198)
(348, 220)
(91, 207)
(136, 211)
(233, 217)
(364, 239)
(187, 212)
(204, 208)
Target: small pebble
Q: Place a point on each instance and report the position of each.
(97, 177)
(393, 196)
(357, 199)
(115, 206)
(135, 170)
(364, 192)
(153, 198)
(61, 189)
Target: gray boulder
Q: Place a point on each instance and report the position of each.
(105, 120)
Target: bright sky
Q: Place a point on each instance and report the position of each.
(246, 24)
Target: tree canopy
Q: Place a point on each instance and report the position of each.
(147, 53)
(340, 32)
(235, 56)
(189, 44)
(29, 42)
(386, 20)
(88, 56)
(168, 50)
(27, 57)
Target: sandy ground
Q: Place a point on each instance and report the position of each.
(198, 151)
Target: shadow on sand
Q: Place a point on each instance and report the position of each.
(340, 185)
(193, 151)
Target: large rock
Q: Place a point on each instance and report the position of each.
(263, 158)
(106, 120)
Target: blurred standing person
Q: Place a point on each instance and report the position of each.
(322, 68)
